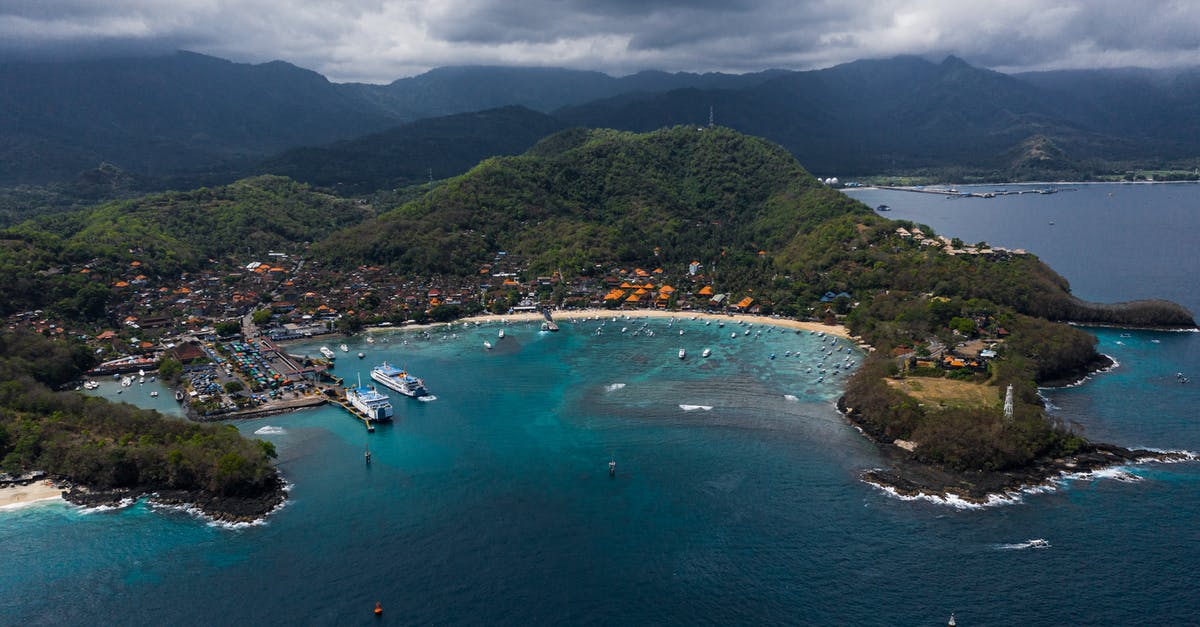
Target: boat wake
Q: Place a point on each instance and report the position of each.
(1035, 543)
(695, 407)
(612, 387)
(270, 430)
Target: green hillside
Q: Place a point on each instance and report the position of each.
(582, 198)
(166, 233)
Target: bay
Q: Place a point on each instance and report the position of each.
(492, 504)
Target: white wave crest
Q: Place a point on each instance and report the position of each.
(695, 407)
(96, 509)
(949, 500)
(612, 387)
(1035, 543)
(1117, 473)
(270, 430)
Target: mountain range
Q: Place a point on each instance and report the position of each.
(210, 120)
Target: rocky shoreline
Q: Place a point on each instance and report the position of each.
(911, 478)
(218, 508)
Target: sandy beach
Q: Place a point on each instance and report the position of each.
(566, 317)
(12, 497)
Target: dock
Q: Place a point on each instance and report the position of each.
(353, 411)
(549, 324)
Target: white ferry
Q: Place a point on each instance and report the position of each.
(374, 405)
(399, 380)
(329, 354)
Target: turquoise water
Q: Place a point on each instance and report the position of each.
(493, 504)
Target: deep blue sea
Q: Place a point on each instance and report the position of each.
(737, 497)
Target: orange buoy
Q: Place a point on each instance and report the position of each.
(378, 608)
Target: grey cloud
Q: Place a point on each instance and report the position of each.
(380, 40)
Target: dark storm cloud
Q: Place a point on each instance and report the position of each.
(380, 40)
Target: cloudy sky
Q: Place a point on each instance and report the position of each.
(381, 40)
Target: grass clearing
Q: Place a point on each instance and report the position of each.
(947, 393)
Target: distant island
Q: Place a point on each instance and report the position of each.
(681, 219)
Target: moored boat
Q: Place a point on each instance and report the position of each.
(328, 353)
(375, 406)
(399, 380)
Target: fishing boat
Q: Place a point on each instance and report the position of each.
(682, 353)
(706, 353)
(399, 380)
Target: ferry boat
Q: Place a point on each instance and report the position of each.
(328, 353)
(375, 406)
(399, 380)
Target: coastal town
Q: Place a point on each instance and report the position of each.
(221, 334)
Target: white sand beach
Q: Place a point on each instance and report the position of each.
(561, 317)
(13, 497)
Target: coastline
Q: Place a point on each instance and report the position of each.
(215, 508)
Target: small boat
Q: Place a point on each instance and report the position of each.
(361, 355)
(178, 396)
(1039, 543)
(487, 345)
(370, 339)
(733, 335)
(328, 353)
(682, 353)
(344, 348)
(154, 393)
(378, 605)
(612, 467)
(500, 334)
(706, 353)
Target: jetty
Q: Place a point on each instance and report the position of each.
(338, 397)
(549, 324)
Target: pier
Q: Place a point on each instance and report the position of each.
(549, 324)
(344, 404)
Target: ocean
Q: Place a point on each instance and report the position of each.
(736, 498)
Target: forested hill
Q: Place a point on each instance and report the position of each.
(580, 198)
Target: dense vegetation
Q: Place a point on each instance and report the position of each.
(167, 233)
(106, 445)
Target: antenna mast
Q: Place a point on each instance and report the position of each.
(710, 116)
